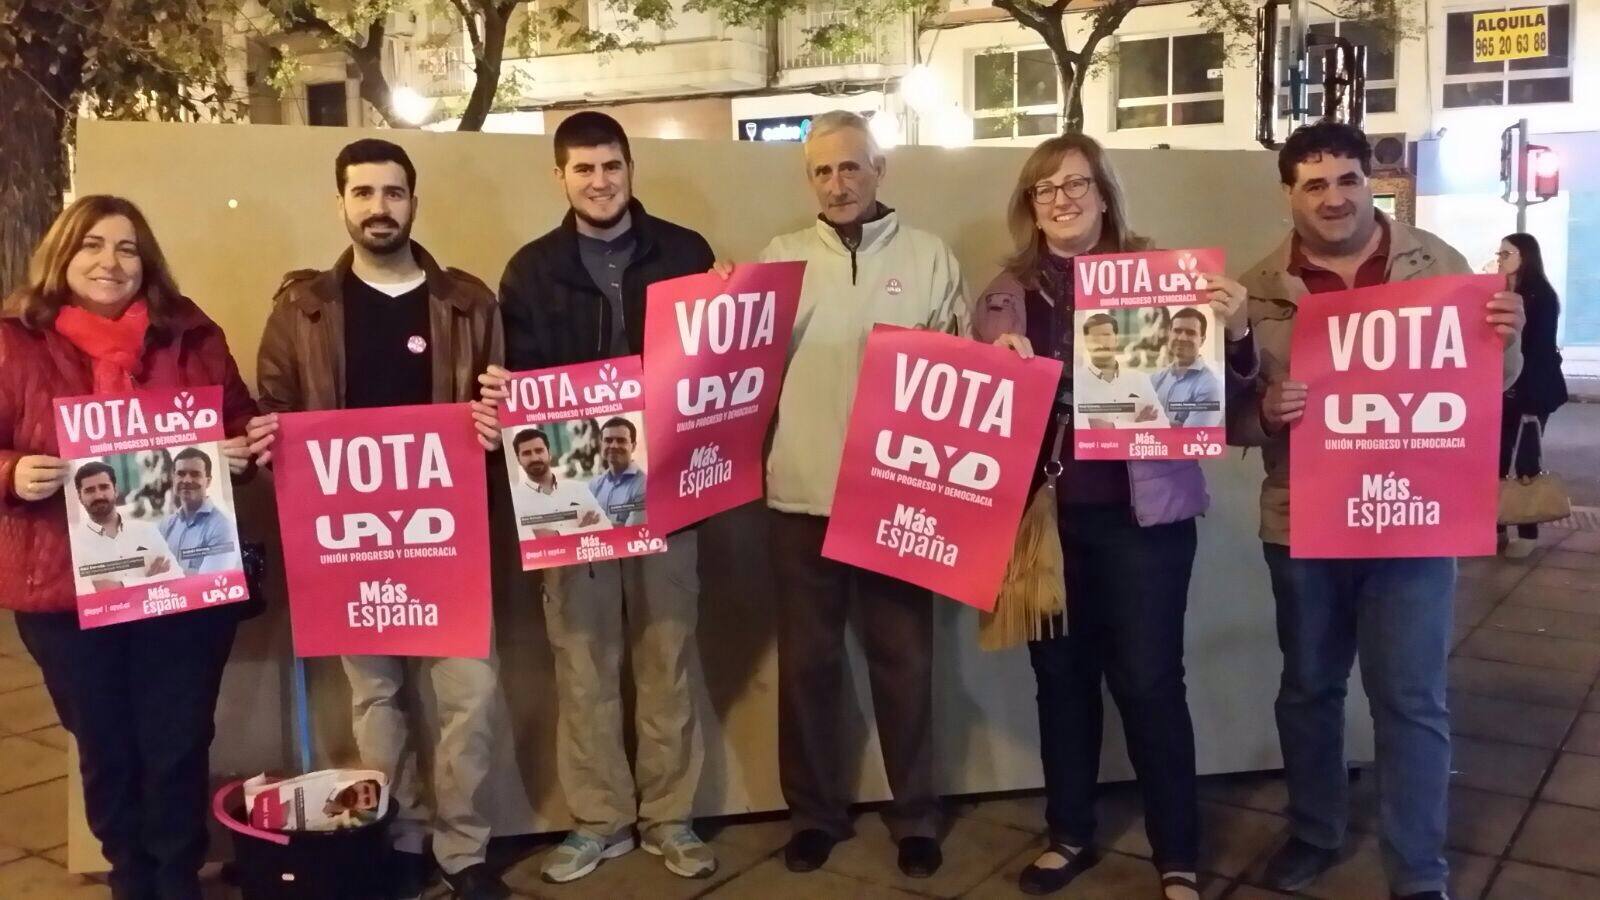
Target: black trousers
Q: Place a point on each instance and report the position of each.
(1127, 593)
(140, 699)
(1529, 455)
(895, 624)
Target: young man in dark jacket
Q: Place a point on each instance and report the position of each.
(575, 295)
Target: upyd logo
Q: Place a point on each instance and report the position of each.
(222, 591)
(1202, 445)
(644, 543)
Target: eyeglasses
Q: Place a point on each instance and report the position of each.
(1505, 254)
(1074, 187)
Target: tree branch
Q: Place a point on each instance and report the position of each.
(470, 23)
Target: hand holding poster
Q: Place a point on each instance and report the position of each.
(577, 460)
(1148, 377)
(943, 439)
(1397, 452)
(384, 515)
(149, 504)
(714, 352)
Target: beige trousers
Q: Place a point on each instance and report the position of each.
(649, 605)
(464, 693)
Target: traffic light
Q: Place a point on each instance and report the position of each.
(1544, 165)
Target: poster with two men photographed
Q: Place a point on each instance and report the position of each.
(1147, 355)
(575, 451)
(149, 499)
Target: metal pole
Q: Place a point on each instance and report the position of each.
(1522, 175)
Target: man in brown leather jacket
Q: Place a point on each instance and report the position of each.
(387, 326)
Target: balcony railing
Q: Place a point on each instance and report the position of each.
(888, 47)
(445, 71)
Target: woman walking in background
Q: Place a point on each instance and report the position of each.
(1541, 388)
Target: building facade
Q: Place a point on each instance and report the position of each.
(972, 76)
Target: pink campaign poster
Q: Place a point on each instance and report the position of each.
(149, 504)
(577, 460)
(385, 521)
(1148, 369)
(714, 352)
(1397, 453)
(944, 436)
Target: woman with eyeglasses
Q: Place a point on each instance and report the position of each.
(1541, 389)
(1127, 533)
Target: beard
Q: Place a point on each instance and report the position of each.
(537, 471)
(100, 509)
(381, 246)
(601, 224)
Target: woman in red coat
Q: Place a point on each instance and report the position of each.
(100, 314)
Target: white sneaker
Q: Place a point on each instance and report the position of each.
(684, 854)
(1520, 548)
(579, 854)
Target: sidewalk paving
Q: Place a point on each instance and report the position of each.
(1525, 802)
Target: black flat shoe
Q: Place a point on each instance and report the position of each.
(920, 857)
(1296, 865)
(808, 850)
(1038, 880)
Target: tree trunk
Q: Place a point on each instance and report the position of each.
(33, 162)
(486, 74)
(375, 87)
(1072, 105)
(1072, 90)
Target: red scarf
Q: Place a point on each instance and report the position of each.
(114, 346)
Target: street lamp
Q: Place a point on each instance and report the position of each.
(410, 106)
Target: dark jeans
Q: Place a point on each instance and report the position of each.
(1528, 460)
(1395, 616)
(894, 621)
(140, 699)
(1127, 592)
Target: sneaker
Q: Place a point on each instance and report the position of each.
(580, 853)
(476, 882)
(681, 850)
(1520, 548)
(409, 875)
(920, 857)
(808, 850)
(1296, 865)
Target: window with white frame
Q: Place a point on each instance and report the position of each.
(1015, 93)
(1546, 79)
(1170, 80)
(1380, 66)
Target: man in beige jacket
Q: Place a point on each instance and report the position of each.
(1395, 612)
(863, 267)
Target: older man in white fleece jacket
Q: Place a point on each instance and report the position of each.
(863, 268)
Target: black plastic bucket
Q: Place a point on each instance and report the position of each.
(350, 863)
